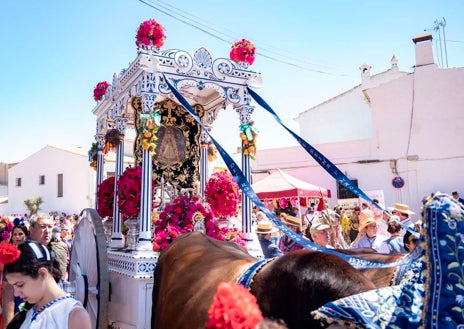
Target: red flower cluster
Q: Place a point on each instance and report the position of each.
(179, 217)
(222, 194)
(105, 195)
(100, 90)
(9, 253)
(233, 307)
(150, 33)
(225, 233)
(243, 51)
(129, 192)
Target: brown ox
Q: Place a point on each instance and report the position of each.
(382, 276)
(189, 270)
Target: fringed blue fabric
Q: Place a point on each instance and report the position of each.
(430, 293)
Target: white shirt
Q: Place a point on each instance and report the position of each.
(378, 243)
(55, 316)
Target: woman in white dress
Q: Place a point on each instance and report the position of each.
(31, 270)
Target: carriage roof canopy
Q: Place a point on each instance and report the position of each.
(280, 184)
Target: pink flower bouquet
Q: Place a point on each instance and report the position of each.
(150, 33)
(243, 51)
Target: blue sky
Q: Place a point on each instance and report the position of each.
(54, 52)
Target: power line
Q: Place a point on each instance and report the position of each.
(186, 18)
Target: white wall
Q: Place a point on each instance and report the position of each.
(50, 161)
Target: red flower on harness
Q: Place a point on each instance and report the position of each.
(233, 307)
(9, 253)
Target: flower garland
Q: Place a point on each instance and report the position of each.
(105, 195)
(93, 152)
(149, 129)
(248, 135)
(150, 33)
(233, 307)
(100, 90)
(179, 217)
(129, 192)
(223, 194)
(243, 51)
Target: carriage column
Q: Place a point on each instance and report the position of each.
(116, 237)
(204, 141)
(148, 102)
(100, 138)
(245, 112)
(253, 246)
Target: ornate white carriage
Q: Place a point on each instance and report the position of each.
(115, 282)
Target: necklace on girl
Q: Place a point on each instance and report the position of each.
(36, 312)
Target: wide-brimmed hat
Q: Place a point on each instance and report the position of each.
(318, 227)
(402, 208)
(365, 214)
(265, 227)
(367, 221)
(290, 220)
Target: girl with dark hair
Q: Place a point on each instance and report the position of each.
(395, 241)
(19, 234)
(32, 272)
(410, 241)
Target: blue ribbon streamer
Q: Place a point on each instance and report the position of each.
(248, 190)
(318, 156)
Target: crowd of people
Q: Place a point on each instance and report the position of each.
(392, 231)
(34, 263)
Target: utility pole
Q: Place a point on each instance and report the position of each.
(439, 25)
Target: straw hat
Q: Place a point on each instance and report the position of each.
(290, 220)
(366, 221)
(265, 227)
(318, 227)
(365, 214)
(402, 208)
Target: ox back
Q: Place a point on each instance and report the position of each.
(288, 288)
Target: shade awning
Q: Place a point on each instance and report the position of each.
(281, 185)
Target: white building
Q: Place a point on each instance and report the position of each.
(62, 177)
(394, 124)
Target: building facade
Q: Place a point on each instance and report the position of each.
(62, 178)
(397, 133)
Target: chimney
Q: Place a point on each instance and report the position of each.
(365, 72)
(424, 52)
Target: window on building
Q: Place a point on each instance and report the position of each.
(60, 186)
(42, 180)
(18, 182)
(344, 193)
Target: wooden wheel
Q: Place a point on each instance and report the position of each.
(88, 268)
